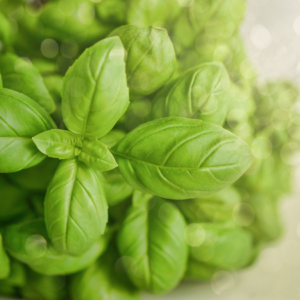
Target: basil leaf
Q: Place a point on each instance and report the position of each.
(19, 75)
(95, 94)
(44, 287)
(111, 12)
(20, 119)
(36, 178)
(150, 58)
(180, 158)
(197, 270)
(13, 200)
(96, 155)
(214, 208)
(147, 13)
(6, 33)
(115, 187)
(267, 224)
(57, 143)
(17, 276)
(72, 19)
(153, 239)
(29, 243)
(225, 246)
(200, 93)
(75, 208)
(112, 138)
(4, 261)
(105, 280)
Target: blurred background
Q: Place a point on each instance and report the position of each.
(271, 32)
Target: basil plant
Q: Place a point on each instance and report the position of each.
(137, 149)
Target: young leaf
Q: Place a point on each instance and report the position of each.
(153, 239)
(105, 279)
(19, 75)
(150, 57)
(95, 93)
(75, 208)
(29, 243)
(97, 156)
(57, 143)
(4, 261)
(200, 93)
(178, 158)
(20, 119)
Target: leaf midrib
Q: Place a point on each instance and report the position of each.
(167, 167)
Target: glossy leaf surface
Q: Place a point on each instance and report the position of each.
(57, 143)
(18, 151)
(29, 243)
(153, 239)
(180, 158)
(200, 93)
(96, 155)
(95, 94)
(75, 208)
(150, 57)
(19, 75)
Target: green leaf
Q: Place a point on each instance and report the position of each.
(267, 224)
(44, 287)
(111, 12)
(112, 138)
(214, 208)
(20, 119)
(19, 75)
(72, 19)
(75, 208)
(115, 187)
(178, 158)
(200, 93)
(152, 240)
(95, 94)
(4, 261)
(225, 245)
(6, 32)
(97, 156)
(57, 143)
(13, 200)
(197, 270)
(105, 280)
(17, 276)
(150, 57)
(150, 13)
(29, 243)
(36, 178)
